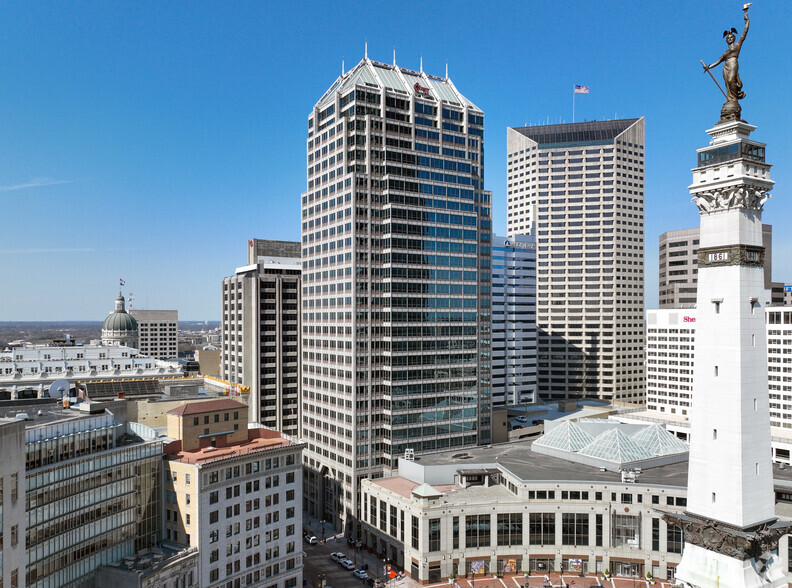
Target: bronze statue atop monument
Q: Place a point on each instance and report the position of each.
(731, 109)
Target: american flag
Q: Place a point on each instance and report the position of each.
(581, 89)
(121, 282)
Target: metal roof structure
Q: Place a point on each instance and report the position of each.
(611, 445)
(656, 439)
(377, 75)
(593, 132)
(614, 445)
(566, 436)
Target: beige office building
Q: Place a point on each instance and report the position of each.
(261, 332)
(232, 489)
(579, 188)
(158, 333)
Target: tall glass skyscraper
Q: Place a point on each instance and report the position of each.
(396, 229)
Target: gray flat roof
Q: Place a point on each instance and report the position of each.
(517, 458)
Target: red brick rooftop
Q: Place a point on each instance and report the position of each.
(207, 406)
(258, 440)
(404, 487)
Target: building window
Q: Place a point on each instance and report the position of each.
(455, 533)
(393, 522)
(655, 534)
(598, 530)
(625, 530)
(477, 531)
(414, 531)
(541, 528)
(674, 539)
(434, 534)
(510, 529)
(574, 529)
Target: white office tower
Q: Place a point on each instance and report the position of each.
(513, 320)
(581, 186)
(730, 525)
(396, 252)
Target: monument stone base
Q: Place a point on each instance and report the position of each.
(702, 568)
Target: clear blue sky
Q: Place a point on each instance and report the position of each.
(150, 140)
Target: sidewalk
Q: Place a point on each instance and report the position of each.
(537, 581)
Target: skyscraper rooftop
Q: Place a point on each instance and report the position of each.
(376, 75)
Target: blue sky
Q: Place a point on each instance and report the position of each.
(150, 140)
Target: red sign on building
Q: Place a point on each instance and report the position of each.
(420, 90)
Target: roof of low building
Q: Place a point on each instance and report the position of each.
(208, 406)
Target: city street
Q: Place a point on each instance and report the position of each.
(317, 562)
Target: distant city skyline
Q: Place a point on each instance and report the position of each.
(149, 142)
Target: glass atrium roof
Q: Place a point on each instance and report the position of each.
(567, 436)
(615, 445)
(659, 441)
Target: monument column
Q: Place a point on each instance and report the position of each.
(730, 526)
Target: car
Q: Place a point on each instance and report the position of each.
(360, 574)
(345, 563)
(521, 419)
(337, 556)
(311, 539)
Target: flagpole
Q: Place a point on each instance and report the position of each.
(573, 104)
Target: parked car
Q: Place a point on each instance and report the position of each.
(360, 574)
(521, 419)
(311, 540)
(337, 556)
(345, 563)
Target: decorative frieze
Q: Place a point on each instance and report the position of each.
(744, 255)
(742, 196)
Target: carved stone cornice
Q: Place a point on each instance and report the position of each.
(742, 544)
(741, 196)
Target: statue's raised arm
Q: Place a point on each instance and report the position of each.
(745, 30)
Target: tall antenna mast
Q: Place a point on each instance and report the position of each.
(365, 51)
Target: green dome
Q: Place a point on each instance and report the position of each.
(120, 320)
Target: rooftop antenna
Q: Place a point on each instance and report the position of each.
(446, 69)
(365, 51)
(421, 63)
(342, 66)
(394, 56)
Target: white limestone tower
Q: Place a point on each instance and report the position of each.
(730, 525)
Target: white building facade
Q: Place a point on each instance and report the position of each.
(513, 320)
(28, 372)
(12, 503)
(579, 188)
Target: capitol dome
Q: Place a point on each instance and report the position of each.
(120, 327)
